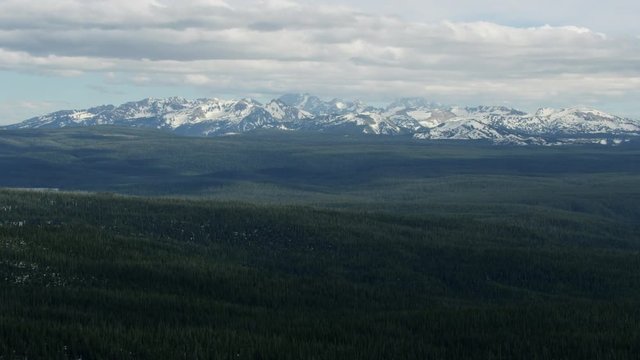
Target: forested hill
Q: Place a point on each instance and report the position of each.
(104, 277)
(314, 246)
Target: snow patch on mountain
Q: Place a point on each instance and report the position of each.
(415, 117)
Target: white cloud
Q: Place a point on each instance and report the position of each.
(197, 79)
(23, 61)
(277, 46)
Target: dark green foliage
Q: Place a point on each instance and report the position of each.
(315, 247)
(103, 277)
(148, 162)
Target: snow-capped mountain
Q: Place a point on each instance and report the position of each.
(414, 117)
(318, 107)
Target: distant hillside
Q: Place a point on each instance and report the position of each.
(307, 167)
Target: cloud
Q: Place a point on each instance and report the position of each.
(619, 16)
(270, 47)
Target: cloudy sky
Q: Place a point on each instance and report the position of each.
(78, 53)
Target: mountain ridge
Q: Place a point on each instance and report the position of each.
(415, 117)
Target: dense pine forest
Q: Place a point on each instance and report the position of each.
(315, 247)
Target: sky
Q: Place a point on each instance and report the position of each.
(72, 54)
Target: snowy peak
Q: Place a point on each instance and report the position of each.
(412, 103)
(150, 107)
(414, 117)
(545, 112)
(286, 113)
(213, 110)
(583, 121)
(306, 102)
(580, 111)
(314, 105)
(494, 110)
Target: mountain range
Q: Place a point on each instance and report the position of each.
(411, 117)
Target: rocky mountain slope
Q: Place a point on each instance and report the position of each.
(410, 117)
